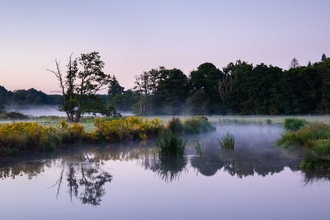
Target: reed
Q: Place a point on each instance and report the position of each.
(227, 141)
(305, 136)
(171, 144)
(198, 147)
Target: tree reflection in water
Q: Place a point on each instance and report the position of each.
(244, 162)
(209, 164)
(87, 176)
(169, 169)
(85, 179)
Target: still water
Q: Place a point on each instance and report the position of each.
(129, 181)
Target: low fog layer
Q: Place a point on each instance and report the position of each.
(45, 111)
(261, 137)
(37, 111)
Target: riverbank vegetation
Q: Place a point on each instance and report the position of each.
(313, 138)
(19, 137)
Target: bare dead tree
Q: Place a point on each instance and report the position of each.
(59, 76)
(294, 63)
(225, 86)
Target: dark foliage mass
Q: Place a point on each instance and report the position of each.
(239, 88)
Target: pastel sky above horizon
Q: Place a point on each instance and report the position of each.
(136, 36)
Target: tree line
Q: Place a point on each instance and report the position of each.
(238, 88)
(22, 97)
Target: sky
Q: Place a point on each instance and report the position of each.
(136, 36)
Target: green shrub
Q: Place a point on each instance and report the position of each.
(227, 141)
(70, 134)
(175, 125)
(294, 124)
(197, 125)
(26, 136)
(171, 144)
(125, 128)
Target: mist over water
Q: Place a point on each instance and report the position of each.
(255, 180)
(36, 111)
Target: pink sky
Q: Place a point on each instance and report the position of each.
(136, 36)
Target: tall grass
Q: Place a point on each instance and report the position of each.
(198, 147)
(306, 136)
(171, 144)
(315, 139)
(227, 141)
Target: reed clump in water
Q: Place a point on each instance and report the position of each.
(171, 144)
(227, 141)
(198, 147)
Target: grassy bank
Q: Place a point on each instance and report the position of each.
(50, 133)
(313, 138)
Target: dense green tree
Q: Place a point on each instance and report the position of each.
(263, 89)
(324, 57)
(171, 92)
(309, 64)
(207, 78)
(238, 101)
(28, 97)
(323, 69)
(3, 95)
(80, 87)
(114, 88)
(125, 101)
(2, 108)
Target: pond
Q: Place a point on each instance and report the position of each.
(256, 180)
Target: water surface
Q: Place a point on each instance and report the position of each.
(129, 181)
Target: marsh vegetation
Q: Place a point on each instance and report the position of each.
(313, 138)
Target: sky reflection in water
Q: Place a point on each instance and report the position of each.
(126, 181)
